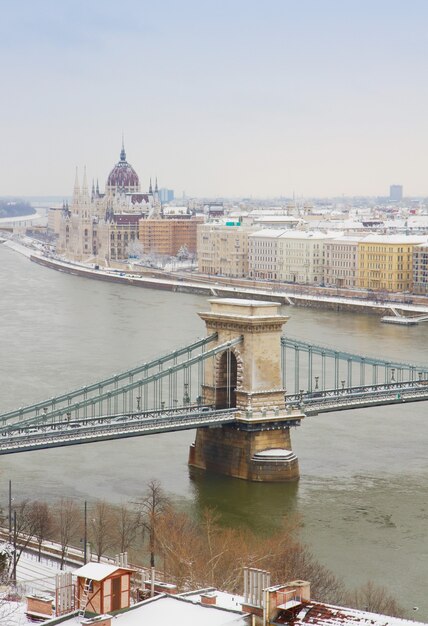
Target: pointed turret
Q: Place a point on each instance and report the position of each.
(150, 187)
(98, 189)
(76, 190)
(156, 185)
(85, 181)
(93, 191)
(85, 193)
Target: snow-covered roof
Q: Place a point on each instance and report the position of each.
(311, 234)
(180, 210)
(346, 239)
(277, 218)
(330, 615)
(97, 571)
(224, 599)
(271, 233)
(167, 610)
(399, 239)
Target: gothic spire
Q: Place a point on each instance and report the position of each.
(156, 185)
(122, 152)
(85, 193)
(150, 188)
(76, 190)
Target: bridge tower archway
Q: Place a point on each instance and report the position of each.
(227, 380)
(258, 371)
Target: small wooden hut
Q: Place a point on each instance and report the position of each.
(102, 588)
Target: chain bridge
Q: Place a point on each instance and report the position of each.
(242, 387)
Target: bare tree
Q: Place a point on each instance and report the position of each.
(207, 553)
(24, 530)
(100, 528)
(67, 524)
(9, 609)
(151, 508)
(126, 526)
(376, 599)
(179, 540)
(42, 523)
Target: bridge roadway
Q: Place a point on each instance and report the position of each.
(358, 397)
(27, 437)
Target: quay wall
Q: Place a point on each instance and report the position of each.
(206, 289)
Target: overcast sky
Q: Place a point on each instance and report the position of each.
(216, 97)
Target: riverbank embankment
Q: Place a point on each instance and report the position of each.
(275, 293)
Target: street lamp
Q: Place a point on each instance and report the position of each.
(85, 538)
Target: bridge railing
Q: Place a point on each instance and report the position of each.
(307, 396)
(111, 384)
(316, 368)
(370, 395)
(162, 389)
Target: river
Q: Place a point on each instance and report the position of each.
(363, 493)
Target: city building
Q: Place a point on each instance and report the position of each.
(386, 262)
(420, 269)
(341, 262)
(166, 195)
(275, 221)
(54, 219)
(396, 193)
(223, 249)
(288, 256)
(171, 212)
(100, 227)
(264, 254)
(168, 235)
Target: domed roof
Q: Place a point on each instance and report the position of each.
(123, 175)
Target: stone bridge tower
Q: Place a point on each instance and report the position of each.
(247, 377)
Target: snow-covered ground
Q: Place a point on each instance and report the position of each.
(33, 577)
(26, 250)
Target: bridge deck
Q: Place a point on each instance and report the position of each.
(357, 398)
(112, 427)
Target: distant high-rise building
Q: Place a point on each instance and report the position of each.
(396, 193)
(166, 195)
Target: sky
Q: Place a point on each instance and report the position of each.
(242, 98)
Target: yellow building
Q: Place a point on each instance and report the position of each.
(386, 262)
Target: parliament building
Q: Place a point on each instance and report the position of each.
(103, 227)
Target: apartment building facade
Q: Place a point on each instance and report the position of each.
(167, 236)
(386, 262)
(420, 269)
(223, 249)
(288, 256)
(341, 262)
